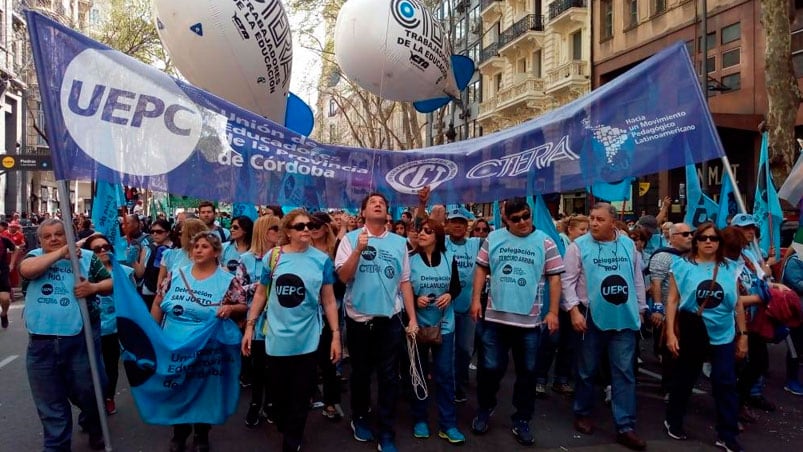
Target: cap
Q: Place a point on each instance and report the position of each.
(459, 212)
(743, 220)
(648, 222)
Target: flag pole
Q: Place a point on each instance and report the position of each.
(64, 195)
(738, 196)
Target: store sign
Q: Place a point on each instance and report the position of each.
(26, 162)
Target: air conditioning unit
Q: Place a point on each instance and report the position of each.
(476, 26)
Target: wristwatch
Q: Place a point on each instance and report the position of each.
(741, 333)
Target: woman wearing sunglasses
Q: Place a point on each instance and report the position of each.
(480, 229)
(299, 283)
(702, 302)
(151, 258)
(242, 229)
(109, 343)
(188, 298)
(436, 282)
(176, 258)
(265, 238)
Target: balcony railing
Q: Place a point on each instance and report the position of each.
(530, 22)
(558, 7)
(489, 52)
(571, 70)
(484, 4)
(527, 86)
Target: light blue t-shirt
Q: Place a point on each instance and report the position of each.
(517, 271)
(175, 258)
(466, 254)
(185, 313)
(432, 282)
(230, 257)
(695, 287)
(294, 319)
(375, 286)
(108, 310)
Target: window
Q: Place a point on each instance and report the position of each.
(473, 92)
(733, 81)
(710, 43)
(607, 19)
(659, 7)
(577, 45)
(521, 66)
(332, 107)
(731, 58)
(537, 64)
(731, 33)
(797, 64)
(498, 82)
(797, 52)
(711, 64)
(633, 13)
(474, 51)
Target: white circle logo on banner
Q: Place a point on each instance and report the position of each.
(124, 118)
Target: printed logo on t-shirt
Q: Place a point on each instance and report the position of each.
(710, 294)
(231, 265)
(390, 272)
(369, 253)
(64, 301)
(521, 282)
(507, 269)
(47, 289)
(178, 310)
(290, 290)
(614, 289)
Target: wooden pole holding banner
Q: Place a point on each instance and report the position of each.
(64, 193)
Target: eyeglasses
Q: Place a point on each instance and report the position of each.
(274, 228)
(102, 248)
(234, 227)
(684, 233)
(708, 238)
(517, 218)
(482, 230)
(312, 226)
(427, 231)
(158, 231)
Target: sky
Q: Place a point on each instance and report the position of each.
(306, 66)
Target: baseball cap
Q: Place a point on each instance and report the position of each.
(648, 222)
(459, 212)
(743, 220)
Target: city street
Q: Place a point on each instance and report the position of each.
(782, 430)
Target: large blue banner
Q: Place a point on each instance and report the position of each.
(176, 383)
(112, 118)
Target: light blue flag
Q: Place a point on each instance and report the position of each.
(700, 208)
(497, 216)
(108, 199)
(766, 206)
(728, 207)
(614, 191)
(176, 383)
(542, 219)
(244, 209)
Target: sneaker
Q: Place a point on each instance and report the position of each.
(4, 320)
(453, 435)
(521, 431)
(759, 402)
(707, 370)
(111, 407)
(421, 430)
(332, 413)
(361, 430)
(252, 417)
(674, 433)
(792, 386)
(728, 446)
(480, 423)
(540, 391)
(563, 388)
(267, 414)
(460, 397)
(473, 366)
(386, 445)
(608, 394)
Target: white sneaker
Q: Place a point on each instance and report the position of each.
(707, 370)
(608, 394)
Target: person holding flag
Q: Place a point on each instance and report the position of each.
(188, 297)
(58, 360)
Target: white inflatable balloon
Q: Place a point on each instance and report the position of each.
(240, 50)
(395, 49)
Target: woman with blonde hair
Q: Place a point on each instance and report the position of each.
(182, 256)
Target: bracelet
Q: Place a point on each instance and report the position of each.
(251, 322)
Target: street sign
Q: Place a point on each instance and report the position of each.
(26, 162)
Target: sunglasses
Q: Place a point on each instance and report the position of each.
(102, 248)
(684, 234)
(312, 226)
(482, 230)
(234, 227)
(274, 228)
(158, 231)
(427, 231)
(518, 218)
(708, 238)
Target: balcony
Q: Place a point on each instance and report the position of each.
(491, 10)
(569, 76)
(528, 28)
(567, 14)
(522, 100)
(490, 61)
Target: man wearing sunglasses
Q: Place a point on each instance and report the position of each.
(521, 261)
(680, 237)
(374, 265)
(603, 290)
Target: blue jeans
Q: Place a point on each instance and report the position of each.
(58, 372)
(621, 347)
(464, 330)
(442, 371)
(497, 340)
(558, 346)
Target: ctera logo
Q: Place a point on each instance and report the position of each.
(412, 176)
(145, 118)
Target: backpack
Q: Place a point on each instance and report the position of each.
(666, 249)
(151, 275)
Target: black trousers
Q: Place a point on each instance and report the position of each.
(331, 383)
(756, 365)
(260, 391)
(110, 347)
(291, 380)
